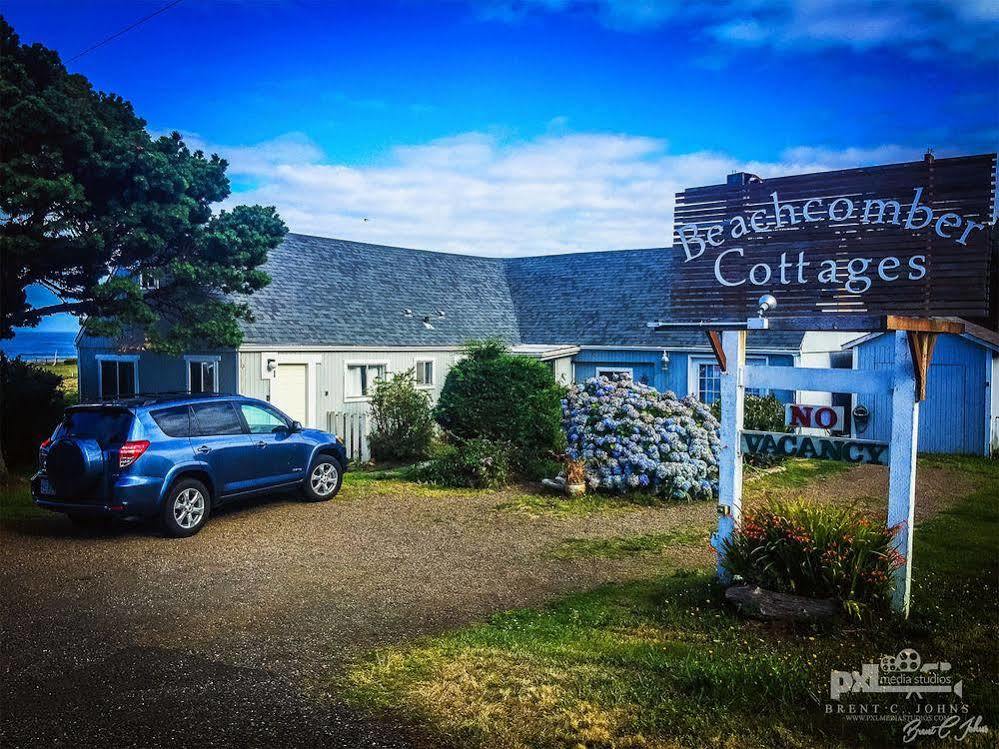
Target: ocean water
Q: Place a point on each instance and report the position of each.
(40, 344)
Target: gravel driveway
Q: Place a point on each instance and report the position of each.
(229, 638)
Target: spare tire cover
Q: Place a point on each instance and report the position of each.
(74, 465)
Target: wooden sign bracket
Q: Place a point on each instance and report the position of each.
(714, 339)
(921, 345)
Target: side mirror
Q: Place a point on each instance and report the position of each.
(296, 426)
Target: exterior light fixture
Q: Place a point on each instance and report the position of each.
(665, 359)
(767, 303)
(272, 365)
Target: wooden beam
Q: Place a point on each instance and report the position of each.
(714, 339)
(921, 349)
(923, 324)
(868, 381)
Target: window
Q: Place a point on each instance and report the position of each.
(106, 425)
(616, 373)
(215, 418)
(262, 420)
(425, 373)
(705, 376)
(708, 382)
(202, 374)
(117, 376)
(175, 422)
(148, 281)
(361, 379)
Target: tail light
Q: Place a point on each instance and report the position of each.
(131, 452)
(45, 444)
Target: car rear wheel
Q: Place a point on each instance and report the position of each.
(324, 479)
(186, 508)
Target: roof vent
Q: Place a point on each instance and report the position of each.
(440, 314)
(427, 324)
(407, 312)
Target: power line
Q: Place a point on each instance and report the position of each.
(125, 30)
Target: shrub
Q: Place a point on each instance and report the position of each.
(32, 404)
(634, 437)
(476, 463)
(402, 423)
(815, 550)
(762, 413)
(496, 395)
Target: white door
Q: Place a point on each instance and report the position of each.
(288, 390)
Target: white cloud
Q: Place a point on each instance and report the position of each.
(484, 194)
(917, 27)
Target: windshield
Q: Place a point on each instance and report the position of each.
(106, 425)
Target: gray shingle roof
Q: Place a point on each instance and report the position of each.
(328, 291)
(334, 292)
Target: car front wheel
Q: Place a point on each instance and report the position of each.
(186, 508)
(324, 480)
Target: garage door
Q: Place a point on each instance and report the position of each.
(288, 390)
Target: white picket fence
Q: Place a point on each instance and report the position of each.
(353, 429)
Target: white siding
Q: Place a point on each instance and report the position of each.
(331, 373)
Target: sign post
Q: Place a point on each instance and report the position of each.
(902, 465)
(899, 249)
(733, 395)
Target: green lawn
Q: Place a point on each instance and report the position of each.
(70, 382)
(664, 662)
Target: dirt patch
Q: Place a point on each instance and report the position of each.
(107, 638)
(866, 486)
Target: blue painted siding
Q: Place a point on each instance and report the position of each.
(157, 373)
(647, 367)
(953, 418)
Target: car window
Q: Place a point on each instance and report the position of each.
(106, 425)
(262, 420)
(175, 422)
(216, 418)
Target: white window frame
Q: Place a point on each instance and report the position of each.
(601, 371)
(148, 282)
(433, 373)
(133, 358)
(199, 359)
(360, 363)
(693, 371)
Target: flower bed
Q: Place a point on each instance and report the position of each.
(632, 437)
(818, 551)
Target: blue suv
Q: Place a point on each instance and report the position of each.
(179, 457)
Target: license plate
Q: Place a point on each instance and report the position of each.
(44, 487)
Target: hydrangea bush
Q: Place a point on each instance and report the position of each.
(631, 436)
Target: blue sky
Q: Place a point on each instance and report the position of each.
(535, 126)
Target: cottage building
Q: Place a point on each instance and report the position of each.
(961, 410)
(338, 315)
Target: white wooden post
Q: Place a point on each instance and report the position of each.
(730, 461)
(902, 465)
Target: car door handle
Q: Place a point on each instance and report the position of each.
(203, 450)
(261, 444)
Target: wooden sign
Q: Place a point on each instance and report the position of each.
(777, 444)
(813, 417)
(906, 239)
